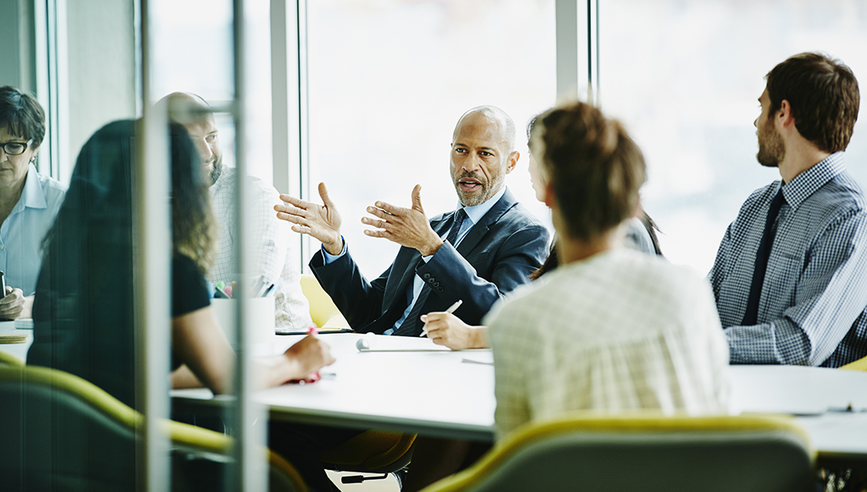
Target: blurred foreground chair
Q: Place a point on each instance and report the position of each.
(7, 359)
(634, 452)
(60, 432)
(322, 309)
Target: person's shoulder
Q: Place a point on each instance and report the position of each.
(184, 265)
(760, 195)
(256, 186)
(516, 301)
(841, 192)
(522, 217)
(52, 189)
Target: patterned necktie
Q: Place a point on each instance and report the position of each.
(412, 324)
(752, 313)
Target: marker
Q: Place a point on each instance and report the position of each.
(454, 307)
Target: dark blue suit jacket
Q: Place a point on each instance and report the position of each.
(497, 255)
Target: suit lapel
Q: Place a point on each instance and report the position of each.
(480, 230)
(405, 263)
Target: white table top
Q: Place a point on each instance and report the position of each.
(422, 388)
(438, 393)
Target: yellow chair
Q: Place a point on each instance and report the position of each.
(61, 432)
(645, 452)
(9, 359)
(322, 309)
(858, 365)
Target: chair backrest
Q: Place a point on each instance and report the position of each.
(9, 359)
(858, 365)
(322, 308)
(60, 432)
(647, 453)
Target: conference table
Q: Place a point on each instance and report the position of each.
(411, 385)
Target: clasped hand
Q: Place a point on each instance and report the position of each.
(408, 227)
(13, 304)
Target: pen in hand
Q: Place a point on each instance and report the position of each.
(450, 310)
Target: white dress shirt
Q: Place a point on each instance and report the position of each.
(618, 331)
(270, 245)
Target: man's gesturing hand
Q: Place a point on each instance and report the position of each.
(405, 226)
(320, 221)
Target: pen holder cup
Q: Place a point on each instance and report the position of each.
(259, 322)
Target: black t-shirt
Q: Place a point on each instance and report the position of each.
(84, 316)
(189, 288)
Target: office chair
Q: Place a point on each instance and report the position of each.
(60, 432)
(322, 309)
(586, 452)
(858, 365)
(371, 451)
(7, 359)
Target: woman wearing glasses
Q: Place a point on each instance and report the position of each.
(28, 200)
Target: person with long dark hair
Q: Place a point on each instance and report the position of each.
(84, 309)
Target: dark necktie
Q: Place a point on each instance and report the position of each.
(412, 324)
(751, 315)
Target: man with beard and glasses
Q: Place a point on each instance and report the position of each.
(271, 241)
(789, 277)
(486, 247)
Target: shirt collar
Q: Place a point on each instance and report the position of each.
(475, 213)
(32, 195)
(806, 183)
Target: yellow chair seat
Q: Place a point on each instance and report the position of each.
(323, 311)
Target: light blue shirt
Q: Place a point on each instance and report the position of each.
(22, 232)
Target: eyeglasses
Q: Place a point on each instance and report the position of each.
(15, 148)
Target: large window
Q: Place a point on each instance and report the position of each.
(685, 77)
(389, 80)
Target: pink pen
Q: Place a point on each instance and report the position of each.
(314, 376)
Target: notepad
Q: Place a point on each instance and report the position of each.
(8, 339)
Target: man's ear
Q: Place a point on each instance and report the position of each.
(784, 114)
(513, 161)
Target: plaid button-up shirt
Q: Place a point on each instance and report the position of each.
(812, 307)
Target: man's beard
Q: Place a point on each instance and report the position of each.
(772, 150)
(217, 170)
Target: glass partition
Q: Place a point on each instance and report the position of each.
(388, 82)
(685, 77)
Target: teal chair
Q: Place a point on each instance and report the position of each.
(62, 433)
(642, 452)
